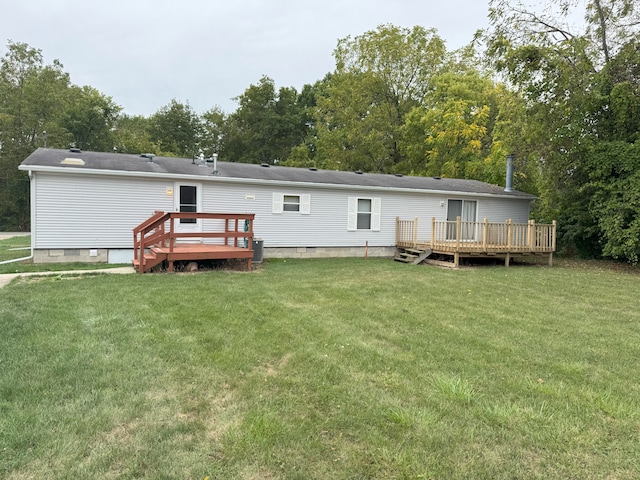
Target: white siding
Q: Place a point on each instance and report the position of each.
(78, 211)
(83, 211)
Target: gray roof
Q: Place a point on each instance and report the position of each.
(167, 166)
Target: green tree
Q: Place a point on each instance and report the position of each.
(613, 189)
(32, 95)
(448, 135)
(573, 105)
(353, 128)
(90, 117)
(213, 131)
(131, 135)
(266, 125)
(379, 77)
(175, 129)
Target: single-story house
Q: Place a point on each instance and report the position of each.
(84, 205)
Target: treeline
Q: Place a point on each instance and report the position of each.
(566, 103)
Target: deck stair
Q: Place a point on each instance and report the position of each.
(411, 255)
(151, 258)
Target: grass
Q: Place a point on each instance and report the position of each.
(15, 247)
(18, 247)
(323, 369)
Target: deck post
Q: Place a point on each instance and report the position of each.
(531, 227)
(433, 231)
(507, 259)
(458, 224)
(415, 232)
(553, 236)
(485, 233)
(509, 234)
(456, 258)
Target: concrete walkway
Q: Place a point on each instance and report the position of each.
(5, 235)
(6, 278)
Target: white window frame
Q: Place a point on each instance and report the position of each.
(352, 209)
(304, 202)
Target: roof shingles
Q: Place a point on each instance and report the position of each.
(167, 166)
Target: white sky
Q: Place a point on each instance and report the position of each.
(143, 53)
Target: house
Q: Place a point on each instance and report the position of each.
(84, 205)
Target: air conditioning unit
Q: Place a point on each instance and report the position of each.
(257, 245)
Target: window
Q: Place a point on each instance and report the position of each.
(364, 214)
(291, 203)
(466, 210)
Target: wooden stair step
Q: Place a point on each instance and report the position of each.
(402, 259)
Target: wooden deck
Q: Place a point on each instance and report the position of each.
(223, 236)
(477, 239)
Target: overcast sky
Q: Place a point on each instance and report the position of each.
(143, 53)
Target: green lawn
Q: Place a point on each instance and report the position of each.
(323, 369)
(14, 247)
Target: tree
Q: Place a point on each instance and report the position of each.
(613, 188)
(266, 125)
(131, 135)
(379, 77)
(175, 129)
(354, 129)
(577, 101)
(31, 96)
(90, 118)
(449, 134)
(213, 131)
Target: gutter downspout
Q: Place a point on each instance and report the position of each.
(18, 259)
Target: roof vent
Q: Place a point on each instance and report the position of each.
(313, 169)
(73, 161)
(148, 156)
(359, 172)
(399, 175)
(436, 178)
(266, 165)
(75, 150)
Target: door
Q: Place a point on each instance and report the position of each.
(466, 210)
(188, 198)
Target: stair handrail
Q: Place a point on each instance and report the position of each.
(153, 232)
(154, 224)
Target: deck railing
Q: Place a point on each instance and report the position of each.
(159, 230)
(480, 237)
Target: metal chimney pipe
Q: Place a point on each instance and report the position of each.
(509, 183)
(215, 163)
